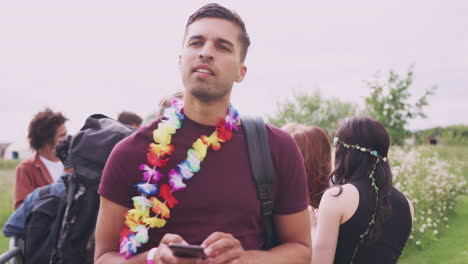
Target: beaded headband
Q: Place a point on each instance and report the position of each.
(336, 140)
(375, 153)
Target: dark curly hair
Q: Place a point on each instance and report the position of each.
(43, 126)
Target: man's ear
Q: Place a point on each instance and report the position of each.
(241, 74)
(180, 59)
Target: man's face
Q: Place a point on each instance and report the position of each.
(60, 134)
(211, 58)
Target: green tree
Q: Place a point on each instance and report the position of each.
(389, 103)
(313, 109)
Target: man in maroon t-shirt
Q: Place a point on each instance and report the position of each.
(218, 209)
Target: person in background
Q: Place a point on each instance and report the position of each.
(316, 150)
(15, 225)
(166, 102)
(364, 219)
(130, 118)
(46, 129)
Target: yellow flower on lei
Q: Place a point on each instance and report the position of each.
(160, 208)
(162, 134)
(212, 141)
(161, 150)
(155, 222)
(200, 149)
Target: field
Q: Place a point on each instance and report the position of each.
(7, 174)
(451, 247)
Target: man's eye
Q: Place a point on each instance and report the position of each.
(195, 43)
(221, 47)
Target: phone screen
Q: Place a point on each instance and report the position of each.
(187, 251)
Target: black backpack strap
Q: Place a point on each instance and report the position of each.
(262, 171)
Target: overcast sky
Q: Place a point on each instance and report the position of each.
(85, 57)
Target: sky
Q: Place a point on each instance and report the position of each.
(86, 57)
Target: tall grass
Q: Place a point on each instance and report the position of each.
(433, 184)
(451, 246)
(7, 178)
(8, 164)
(452, 135)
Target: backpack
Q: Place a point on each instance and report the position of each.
(43, 226)
(60, 227)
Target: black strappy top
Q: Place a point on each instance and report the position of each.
(395, 230)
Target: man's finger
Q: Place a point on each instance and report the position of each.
(214, 237)
(172, 238)
(166, 257)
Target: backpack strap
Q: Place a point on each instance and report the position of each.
(262, 171)
(43, 191)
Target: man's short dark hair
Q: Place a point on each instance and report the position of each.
(129, 118)
(218, 11)
(43, 127)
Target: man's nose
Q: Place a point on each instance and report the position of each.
(206, 52)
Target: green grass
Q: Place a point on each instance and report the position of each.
(455, 153)
(7, 178)
(8, 164)
(451, 246)
(452, 243)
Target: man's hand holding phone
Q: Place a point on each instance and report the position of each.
(187, 251)
(224, 248)
(217, 248)
(174, 250)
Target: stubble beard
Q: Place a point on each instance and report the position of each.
(208, 94)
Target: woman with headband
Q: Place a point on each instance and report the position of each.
(363, 219)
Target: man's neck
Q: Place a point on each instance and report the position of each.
(48, 153)
(205, 113)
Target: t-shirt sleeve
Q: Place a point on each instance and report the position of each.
(290, 187)
(116, 182)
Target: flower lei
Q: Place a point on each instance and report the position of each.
(138, 220)
(373, 184)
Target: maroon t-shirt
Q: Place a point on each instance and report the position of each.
(222, 195)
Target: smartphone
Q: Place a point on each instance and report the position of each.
(187, 251)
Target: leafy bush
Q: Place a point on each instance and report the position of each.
(313, 109)
(389, 102)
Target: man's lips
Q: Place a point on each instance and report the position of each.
(203, 70)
